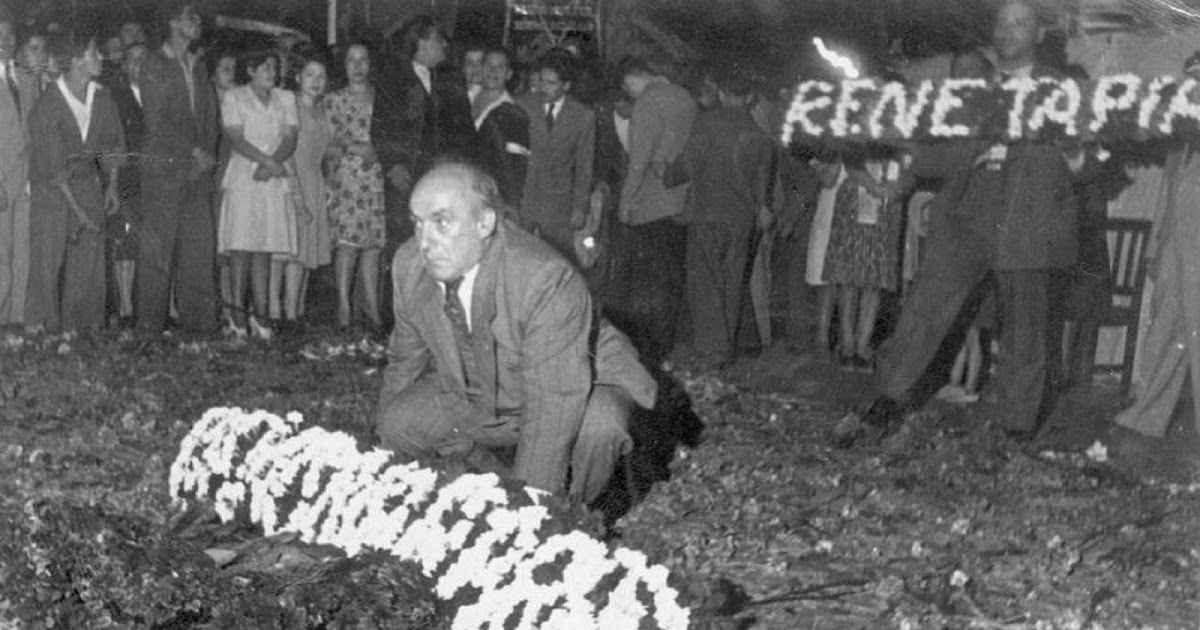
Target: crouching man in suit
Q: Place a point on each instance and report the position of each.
(495, 348)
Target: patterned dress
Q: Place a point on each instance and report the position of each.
(864, 240)
(355, 185)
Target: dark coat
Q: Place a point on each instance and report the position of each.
(412, 127)
(173, 128)
(559, 180)
(1026, 213)
(507, 124)
(59, 155)
(531, 322)
(129, 183)
(728, 160)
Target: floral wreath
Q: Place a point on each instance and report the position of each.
(498, 554)
(1123, 107)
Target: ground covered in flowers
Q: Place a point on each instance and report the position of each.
(763, 525)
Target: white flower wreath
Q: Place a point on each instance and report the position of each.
(489, 544)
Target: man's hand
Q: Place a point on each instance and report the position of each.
(765, 218)
(204, 160)
(112, 202)
(456, 445)
(399, 176)
(578, 220)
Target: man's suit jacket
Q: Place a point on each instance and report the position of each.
(536, 349)
(658, 129)
(14, 137)
(412, 127)
(559, 179)
(1029, 220)
(173, 128)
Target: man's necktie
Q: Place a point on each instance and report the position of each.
(550, 116)
(462, 334)
(12, 86)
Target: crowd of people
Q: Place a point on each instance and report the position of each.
(150, 176)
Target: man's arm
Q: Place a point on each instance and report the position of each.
(644, 130)
(394, 123)
(585, 153)
(408, 355)
(557, 377)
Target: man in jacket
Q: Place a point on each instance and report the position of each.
(495, 348)
(655, 240)
(420, 113)
(562, 141)
(17, 96)
(1004, 208)
(177, 239)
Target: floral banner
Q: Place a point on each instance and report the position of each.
(1113, 108)
(499, 555)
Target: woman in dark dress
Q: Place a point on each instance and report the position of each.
(503, 127)
(122, 252)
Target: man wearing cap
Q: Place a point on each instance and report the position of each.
(496, 353)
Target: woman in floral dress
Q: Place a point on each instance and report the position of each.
(355, 187)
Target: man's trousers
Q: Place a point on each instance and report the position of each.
(176, 242)
(425, 416)
(956, 261)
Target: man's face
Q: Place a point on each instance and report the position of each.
(450, 230)
(92, 63)
(134, 56)
(551, 85)
(188, 23)
(473, 67)
(8, 41)
(634, 84)
(132, 33)
(431, 51)
(35, 55)
(1016, 33)
(496, 71)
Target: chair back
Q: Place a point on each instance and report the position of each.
(1127, 240)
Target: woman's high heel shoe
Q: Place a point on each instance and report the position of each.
(260, 331)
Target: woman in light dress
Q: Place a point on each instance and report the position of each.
(258, 217)
(313, 238)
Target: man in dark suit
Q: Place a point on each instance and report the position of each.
(177, 239)
(562, 141)
(1004, 208)
(420, 113)
(495, 347)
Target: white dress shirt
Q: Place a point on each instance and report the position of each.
(425, 76)
(81, 110)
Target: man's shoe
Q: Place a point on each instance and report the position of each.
(879, 419)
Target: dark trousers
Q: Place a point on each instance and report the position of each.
(176, 241)
(653, 278)
(955, 263)
(717, 257)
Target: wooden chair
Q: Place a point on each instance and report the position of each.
(1127, 240)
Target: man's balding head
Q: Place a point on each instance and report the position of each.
(454, 210)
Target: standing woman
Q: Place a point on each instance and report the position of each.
(75, 141)
(313, 238)
(223, 71)
(127, 94)
(355, 186)
(257, 216)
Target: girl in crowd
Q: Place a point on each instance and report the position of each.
(863, 259)
(257, 217)
(313, 239)
(503, 127)
(355, 186)
(75, 141)
(126, 91)
(223, 71)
